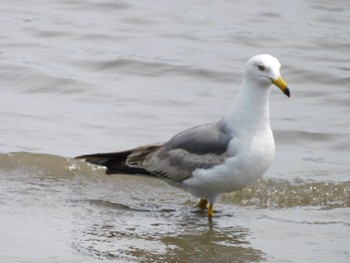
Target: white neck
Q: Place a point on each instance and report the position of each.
(250, 110)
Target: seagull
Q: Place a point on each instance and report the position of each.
(215, 158)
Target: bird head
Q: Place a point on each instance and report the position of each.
(265, 70)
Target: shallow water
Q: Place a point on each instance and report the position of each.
(96, 76)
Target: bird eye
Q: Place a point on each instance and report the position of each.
(261, 67)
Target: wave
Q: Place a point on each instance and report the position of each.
(156, 68)
(274, 193)
(266, 193)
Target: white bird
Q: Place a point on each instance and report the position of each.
(214, 158)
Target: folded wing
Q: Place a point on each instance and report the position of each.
(200, 147)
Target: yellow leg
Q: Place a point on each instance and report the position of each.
(202, 204)
(210, 210)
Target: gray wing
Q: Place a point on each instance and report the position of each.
(200, 147)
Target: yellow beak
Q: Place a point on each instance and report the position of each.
(282, 85)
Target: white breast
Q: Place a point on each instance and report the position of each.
(249, 161)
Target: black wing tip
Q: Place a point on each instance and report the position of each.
(87, 156)
(113, 162)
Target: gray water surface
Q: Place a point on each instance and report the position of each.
(80, 77)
